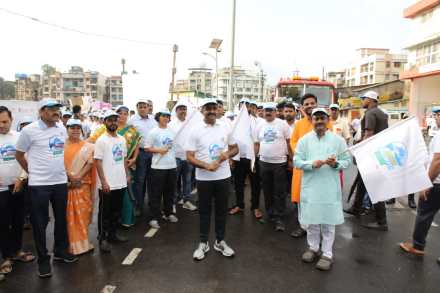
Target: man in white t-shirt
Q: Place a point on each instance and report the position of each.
(429, 203)
(111, 164)
(272, 145)
(341, 126)
(184, 169)
(43, 143)
(209, 148)
(12, 203)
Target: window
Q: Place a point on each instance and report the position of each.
(396, 64)
(388, 64)
(428, 54)
(395, 76)
(387, 77)
(371, 66)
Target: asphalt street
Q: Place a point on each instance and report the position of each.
(265, 261)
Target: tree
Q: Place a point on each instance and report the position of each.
(7, 89)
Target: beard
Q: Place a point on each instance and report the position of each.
(112, 127)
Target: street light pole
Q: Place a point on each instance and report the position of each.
(216, 71)
(231, 69)
(173, 74)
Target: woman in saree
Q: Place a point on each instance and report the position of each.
(132, 138)
(78, 160)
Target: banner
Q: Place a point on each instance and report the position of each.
(392, 162)
(242, 134)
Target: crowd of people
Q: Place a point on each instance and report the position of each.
(66, 159)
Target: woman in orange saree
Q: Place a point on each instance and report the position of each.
(78, 160)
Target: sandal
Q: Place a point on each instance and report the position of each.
(408, 247)
(6, 267)
(24, 256)
(235, 211)
(258, 214)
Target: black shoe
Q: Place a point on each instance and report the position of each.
(116, 238)
(391, 201)
(298, 233)
(105, 247)
(352, 211)
(44, 269)
(65, 257)
(279, 226)
(412, 203)
(375, 226)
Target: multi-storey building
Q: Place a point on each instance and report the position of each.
(423, 69)
(114, 90)
(27, 87)
(372, 65)
(336, 77)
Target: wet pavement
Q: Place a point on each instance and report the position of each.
(265, 261)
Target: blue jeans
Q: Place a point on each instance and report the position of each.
(184, 184)
(142, 177)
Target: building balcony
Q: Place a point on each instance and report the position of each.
(73, 89)
(412, 71)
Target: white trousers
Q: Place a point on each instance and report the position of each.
(327, 233)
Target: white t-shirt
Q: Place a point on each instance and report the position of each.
(291, 128)
(272, 137)
(208, 142)
(112, 150)
(160, 138)
(434, 148)
(10, 170)
(175, 125)
(45, 153)
(255, 122)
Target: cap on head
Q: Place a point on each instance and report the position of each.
(73, 122)
(208, 102)
(143, 100)
(109, 114)
(180, 104)
(164, 112)
(371, 95)
(47, 102)
(66, 113)
(122, 107)
(245, 100)
(334, 106)
(269, 106)
(220, 101)
(26, 120)
(436, 109)
(253, 102)
(319, 111)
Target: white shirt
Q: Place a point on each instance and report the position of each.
(208, 142)
(291, 128)
(175, 125)
(341, 128)
(160, 138)
(272, 137)
(45, 153)
(434, 148)
(255, 122)
(112, 150)
(10, 170)
(143, 125)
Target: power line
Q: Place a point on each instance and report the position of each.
(91, 34)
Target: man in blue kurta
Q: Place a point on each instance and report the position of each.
(321, 154)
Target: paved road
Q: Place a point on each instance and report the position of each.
(266, 261)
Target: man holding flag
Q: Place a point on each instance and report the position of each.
(429, 203)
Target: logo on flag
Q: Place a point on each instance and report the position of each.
(392, 155)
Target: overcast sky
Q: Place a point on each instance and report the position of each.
(283, 35)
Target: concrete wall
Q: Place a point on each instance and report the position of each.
(425, 92)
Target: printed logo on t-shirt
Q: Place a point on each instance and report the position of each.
(56, 146)
(214, 152)
(166, 141)
(117, 153)
(7, 153)
(269, 135)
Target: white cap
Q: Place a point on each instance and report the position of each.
(245, 100)
(253, 102)
(319, 110)
(122, 107)
(110, 113)
(47, 102)
(180, 104)
(229, 114)
(26, 119)
(143, 100)
(371, 95)
(270, 105)
(66, 113)
(205, 102)
(260, 105)
(165, 112)
(73, 122)
(219, 100)
(333, 106)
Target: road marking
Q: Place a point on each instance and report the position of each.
(151, 233)
(108, 289)
(434, 224)
(131, 256)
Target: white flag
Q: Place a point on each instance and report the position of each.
(182, 136)
(242, 134)
(392, 162)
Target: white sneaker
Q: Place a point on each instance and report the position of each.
(181, 202)
(223, 248)
(154, 224)
(201, 251)
(189, 206)
(171, 218)
(194, 191)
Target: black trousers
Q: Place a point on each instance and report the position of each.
(379, 208)
(426, 210)
(40, 198)
(163, 188)
(217, 191)
(242, 170)
(11, 222)
(274, 187)
(110, 209)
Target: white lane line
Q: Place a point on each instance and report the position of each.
(434, 224)
(108, 289)
(131, 256)
(151, 233)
